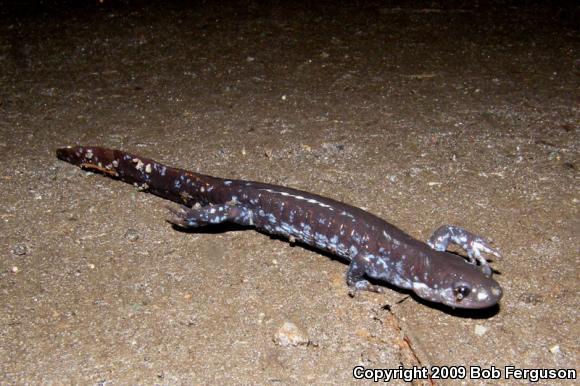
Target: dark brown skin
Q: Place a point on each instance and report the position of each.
(374, 248)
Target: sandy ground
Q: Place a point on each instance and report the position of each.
(422, 114)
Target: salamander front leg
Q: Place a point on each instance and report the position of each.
(355, 277)
(198, 216)
(473, 244)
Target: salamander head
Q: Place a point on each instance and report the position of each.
(458, 284)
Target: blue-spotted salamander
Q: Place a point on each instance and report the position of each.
(374, 248)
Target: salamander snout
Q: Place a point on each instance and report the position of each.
(458, 284)
(462, 292)
(483, 294)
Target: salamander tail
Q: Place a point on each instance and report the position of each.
(170, 183)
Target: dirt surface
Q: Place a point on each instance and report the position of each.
(422, 114)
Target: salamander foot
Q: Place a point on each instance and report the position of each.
(473, 244)
(355, 281)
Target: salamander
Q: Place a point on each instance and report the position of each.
(376, 250)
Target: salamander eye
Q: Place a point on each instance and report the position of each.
(461, 291)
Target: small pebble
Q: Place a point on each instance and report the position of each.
(132, 234)
(480, 330)
(290, 335)
(555, 349)
(261, 317)
(14, 269)
(337, 147)
(19, 250)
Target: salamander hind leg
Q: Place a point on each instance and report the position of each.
(186, 217)
(355, 277)
(473, 244)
